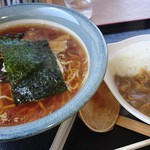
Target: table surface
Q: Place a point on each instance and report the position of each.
(105, 12)
(115, 11)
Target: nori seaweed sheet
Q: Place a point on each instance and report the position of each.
(32, 69)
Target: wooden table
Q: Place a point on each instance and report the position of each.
(115, 11)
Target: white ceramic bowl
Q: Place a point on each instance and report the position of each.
(113, 50)
(96, 48)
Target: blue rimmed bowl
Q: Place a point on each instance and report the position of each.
(97, 51)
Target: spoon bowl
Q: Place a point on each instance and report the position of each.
(101, 112)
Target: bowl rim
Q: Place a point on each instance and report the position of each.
(43, 124)
(112, 49)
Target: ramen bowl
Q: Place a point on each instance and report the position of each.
(94, 43)
(126, 59)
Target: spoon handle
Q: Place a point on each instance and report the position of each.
(133, 125)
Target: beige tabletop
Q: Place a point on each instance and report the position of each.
(114, 11)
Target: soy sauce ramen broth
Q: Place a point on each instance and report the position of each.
(73, 61)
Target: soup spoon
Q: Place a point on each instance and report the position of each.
(101, 114)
